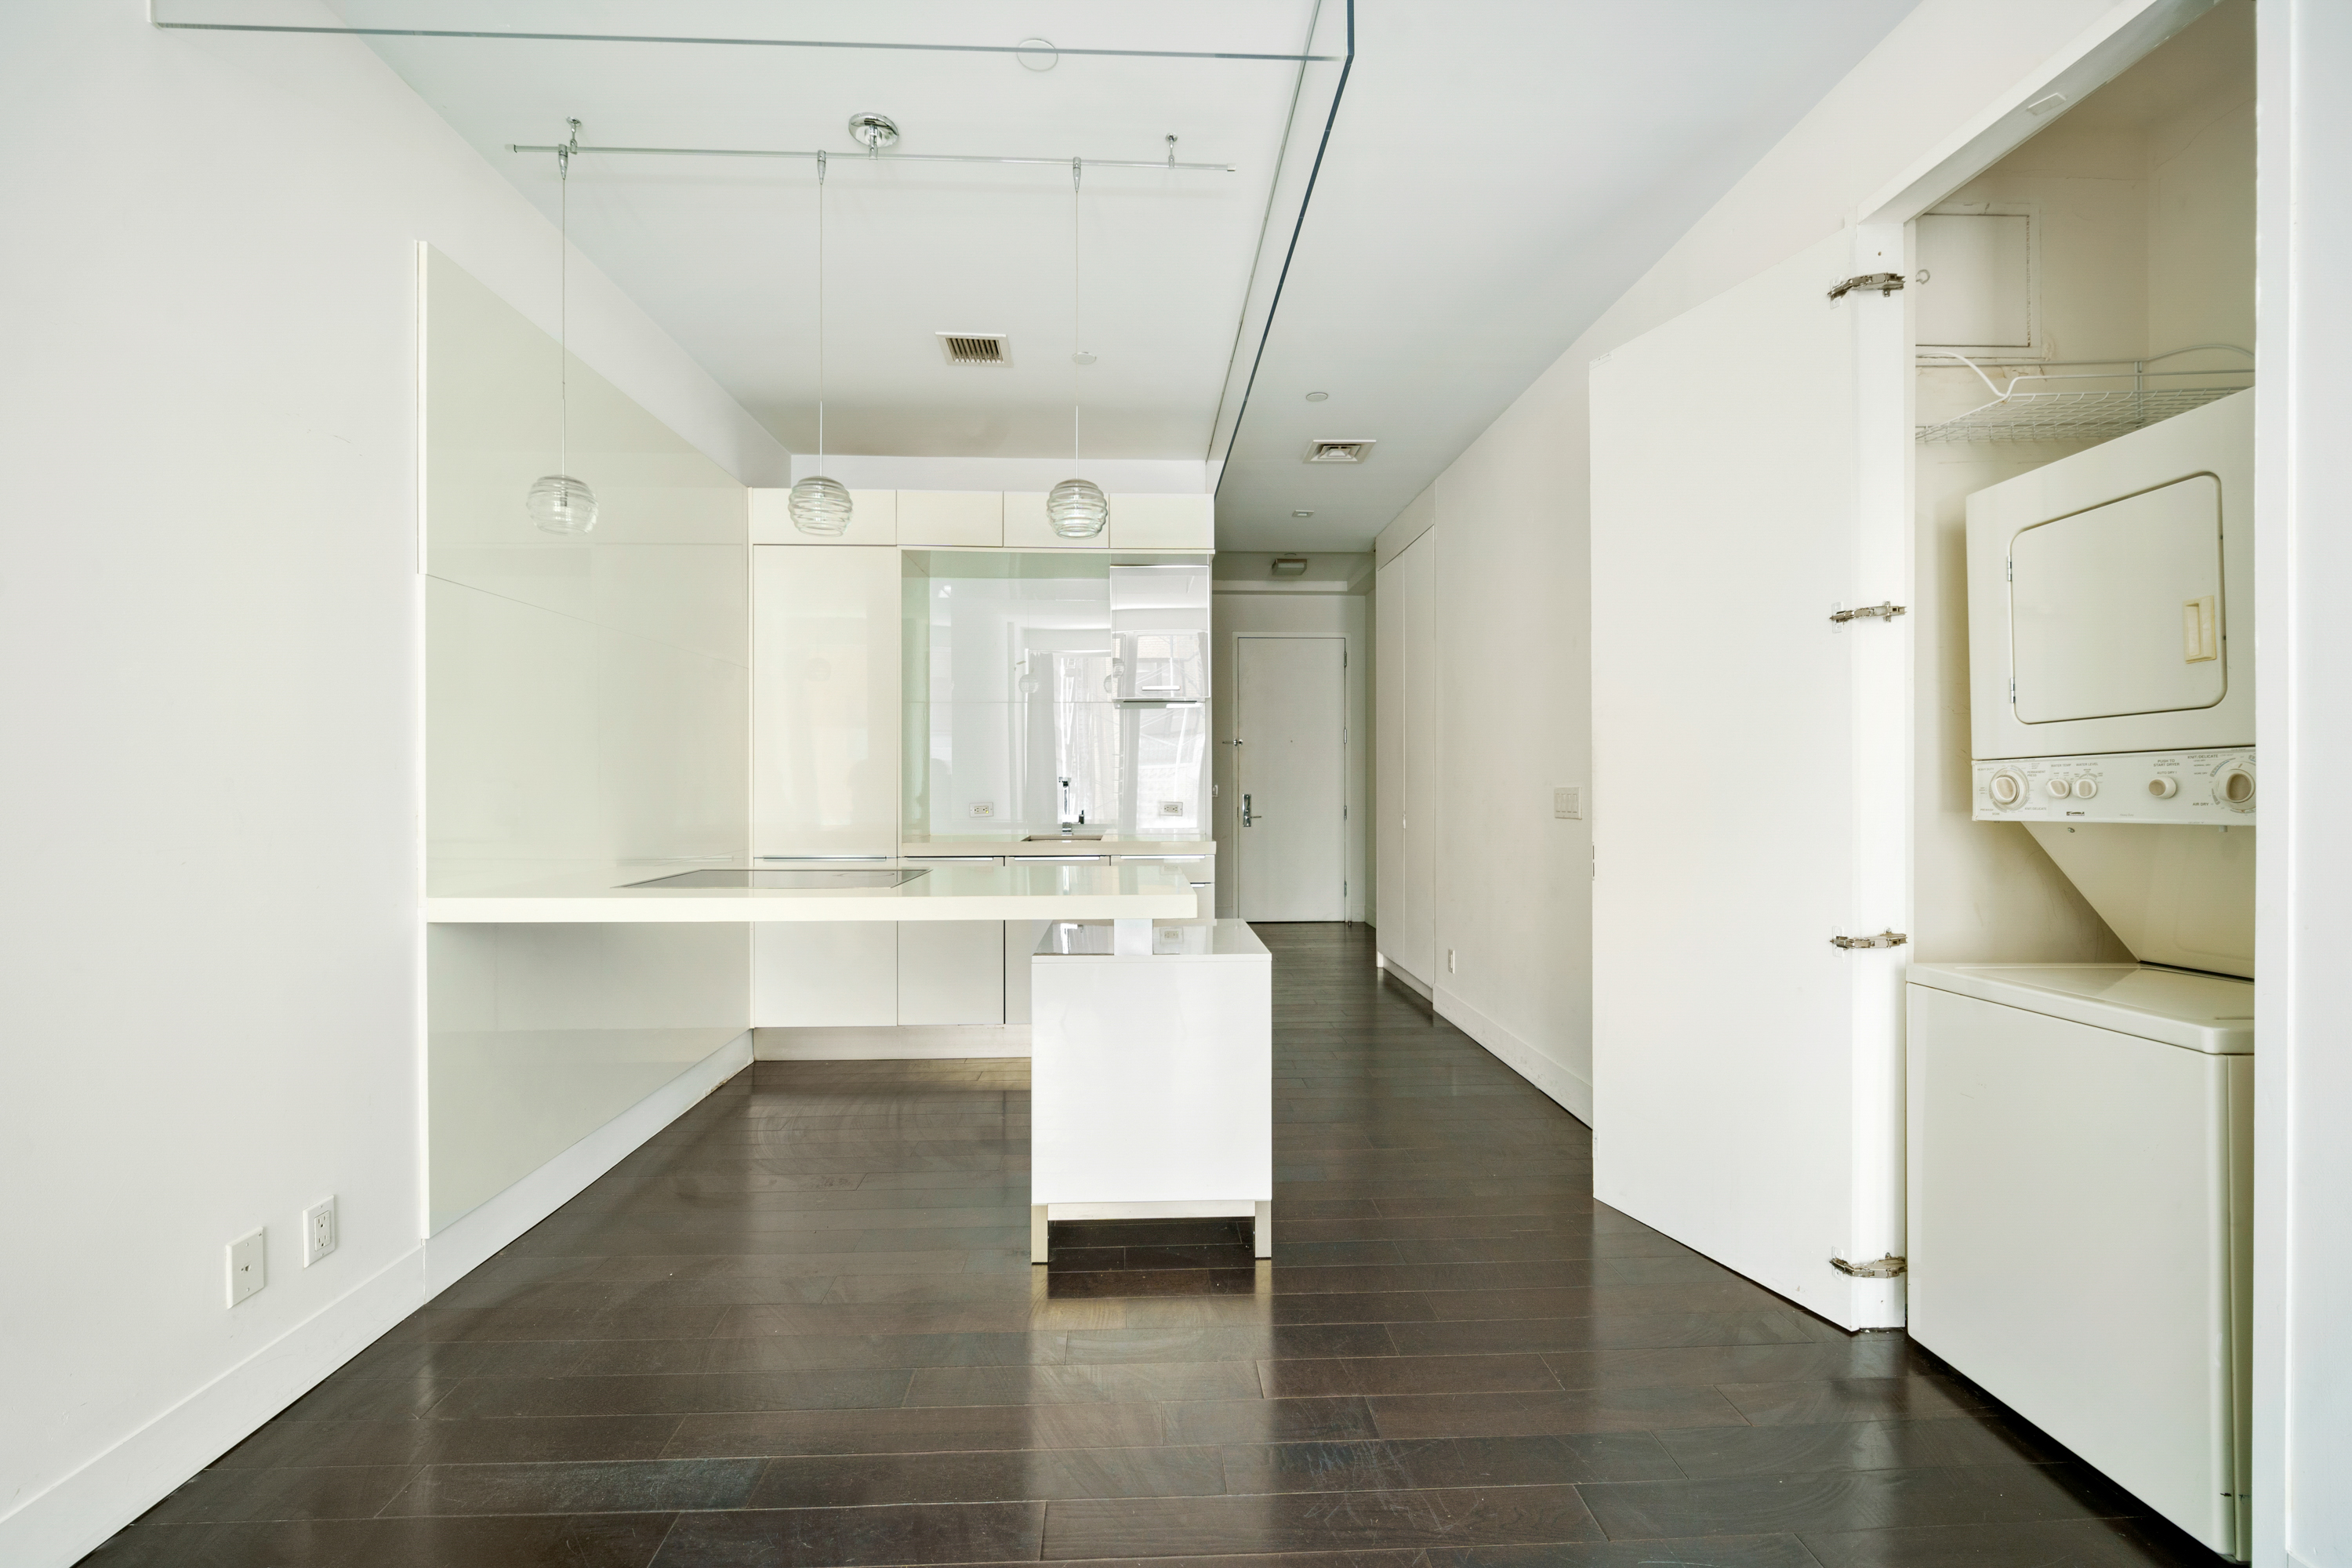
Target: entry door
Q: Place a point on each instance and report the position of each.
(1290, 717)
(1751, 776)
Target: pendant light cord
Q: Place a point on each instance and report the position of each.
(564, 294)
(1076, 168)
(820, 312)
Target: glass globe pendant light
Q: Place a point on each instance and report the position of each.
(558, 502)
(819, 505)
(1077, 507)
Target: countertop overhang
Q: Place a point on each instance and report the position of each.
(597, 896)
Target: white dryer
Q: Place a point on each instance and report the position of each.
(2080, 1135)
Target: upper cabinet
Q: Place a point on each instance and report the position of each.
(873, 520)
(1014, 520)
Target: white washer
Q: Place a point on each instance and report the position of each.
(2080, 1156)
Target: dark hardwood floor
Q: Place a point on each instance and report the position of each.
(800, 1328)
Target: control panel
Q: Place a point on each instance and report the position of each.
(2213, 788)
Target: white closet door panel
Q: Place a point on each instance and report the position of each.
(1751, 783)
(1419, 808)
(824, 700)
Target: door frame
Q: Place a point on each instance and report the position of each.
(1241, 757)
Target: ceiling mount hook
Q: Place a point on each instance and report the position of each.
(564, 153)
(874, 132)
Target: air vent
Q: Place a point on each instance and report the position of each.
(1339, 451)
(976, 348)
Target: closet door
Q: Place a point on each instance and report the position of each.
(1406, 736)
(1751, 775)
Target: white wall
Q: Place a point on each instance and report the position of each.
(1314, 611)
(2303, 1174)
(212, 616)
(1513, 891)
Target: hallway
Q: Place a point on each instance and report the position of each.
(800, 1328)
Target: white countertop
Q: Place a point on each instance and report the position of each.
(1017, 843)
(597, 895)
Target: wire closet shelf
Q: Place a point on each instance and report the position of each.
(2097, 413)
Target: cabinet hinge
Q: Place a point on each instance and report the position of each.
(1884, 939)
(1886, 611)
(1886, 1268)
(1885, 282)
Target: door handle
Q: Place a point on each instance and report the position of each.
(1245, 811)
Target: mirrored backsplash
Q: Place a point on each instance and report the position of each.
(1046, 690)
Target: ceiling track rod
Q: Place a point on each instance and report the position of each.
(731, 42)
(848, 158)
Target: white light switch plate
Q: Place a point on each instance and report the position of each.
(1567, 803)
(248, 1267)
(319, 1227)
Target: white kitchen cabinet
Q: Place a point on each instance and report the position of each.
(950, 971)
(1025, 527)
(809, 975)
(1163, 523)
(951, 518)
(873, 520)
(824, 651)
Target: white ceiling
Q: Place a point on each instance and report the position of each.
(722, 252)
(1498, 171)
(1501, 170)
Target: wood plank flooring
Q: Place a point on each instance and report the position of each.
(800, 1328)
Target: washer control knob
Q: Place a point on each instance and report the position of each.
(2085, 788)
(2006, 787)
(2233, 786)
(2060, 789)
(2162, 787)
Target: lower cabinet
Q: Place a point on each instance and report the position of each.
(950, 971)
(823, 974)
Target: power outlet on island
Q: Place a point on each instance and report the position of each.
(1171, 808)
(983, 808)
(248, 1267)
(319, 1227)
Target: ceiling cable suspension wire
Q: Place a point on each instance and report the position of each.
(1077, 507)
(558, 502)
(819, 505)
(877, 157)
(483, 33)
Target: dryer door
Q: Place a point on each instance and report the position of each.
(2118, 609)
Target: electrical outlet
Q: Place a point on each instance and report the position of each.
(983, 808)
(1568, 803)
(317, 1231)
(1171, 808)
(248, 1267)
(1449, 961)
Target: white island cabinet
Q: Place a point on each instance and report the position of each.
(1152, 1076)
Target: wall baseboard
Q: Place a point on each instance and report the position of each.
(471, 1240)
(1573, 1094)
(891, 1042)
(1404, 977)
(72, 1518)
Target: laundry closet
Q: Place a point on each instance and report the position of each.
(2079, 1041)
(1924, 774)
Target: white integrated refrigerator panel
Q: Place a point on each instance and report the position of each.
(825, 641)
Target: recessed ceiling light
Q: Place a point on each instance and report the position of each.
(1289, 565)
(1318, 396)
(1038, 54)
(1302, 514)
